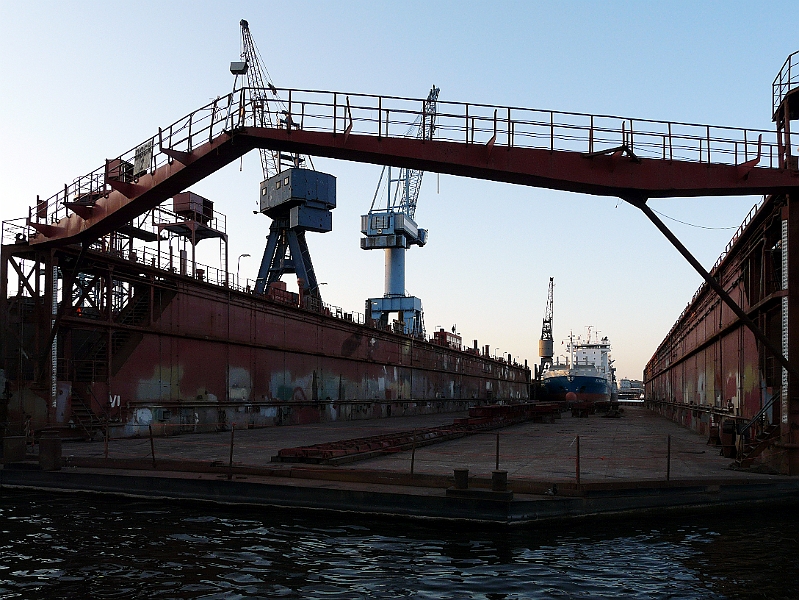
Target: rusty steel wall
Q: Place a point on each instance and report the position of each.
(175, 351)
(710, 368)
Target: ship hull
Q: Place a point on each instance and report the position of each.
(585, 388)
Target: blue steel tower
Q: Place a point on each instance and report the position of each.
(390, 226)
(297, 200)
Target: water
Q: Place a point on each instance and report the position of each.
(77, 546)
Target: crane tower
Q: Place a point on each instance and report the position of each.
(296, 199)
(389, 225)
(546, 345)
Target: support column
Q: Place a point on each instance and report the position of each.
(4, 324)
(395, 272)
(789, 416)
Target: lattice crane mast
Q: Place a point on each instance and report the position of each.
(389, 225)
(270, 108)
(296, 199)
(546, 345)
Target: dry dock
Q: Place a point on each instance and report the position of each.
(623, 468)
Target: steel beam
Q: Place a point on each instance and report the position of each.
(559, 170)
(716, 286)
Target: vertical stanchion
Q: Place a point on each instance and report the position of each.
(497, 454)
(230, 464)
(668, 457)
(106, 440)
(152, 444)
(577, 461)
(413, 451)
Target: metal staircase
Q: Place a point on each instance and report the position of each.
(754, 448)
(83, 417)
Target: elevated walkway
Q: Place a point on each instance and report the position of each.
(593, 154)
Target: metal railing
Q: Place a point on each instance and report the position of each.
(786, 80)
(392, 116)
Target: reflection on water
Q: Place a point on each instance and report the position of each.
(76, 546)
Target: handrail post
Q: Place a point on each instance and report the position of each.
(708, 144)
(671, 153)
(510, 137)
(379, 117)
(191, 115)
(746, 149)
(210, 126)
(152, 444)
(335, 98)
(551, 131)
(466, 128)
(668, 457)
(289, 120)
(413, 451)
(230, 463)
(424, 118)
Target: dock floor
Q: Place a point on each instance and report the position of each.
(624, 464)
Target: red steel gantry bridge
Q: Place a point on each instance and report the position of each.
(633, 159)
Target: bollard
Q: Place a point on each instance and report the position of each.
(499, 481)
(50, 450)
(461, 479)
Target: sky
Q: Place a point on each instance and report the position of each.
(82, 81)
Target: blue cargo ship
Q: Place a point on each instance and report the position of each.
(586, 375)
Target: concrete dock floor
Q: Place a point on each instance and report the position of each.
(632, 447)
(623, 467)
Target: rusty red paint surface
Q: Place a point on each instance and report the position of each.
(710, 368)
(208, 356)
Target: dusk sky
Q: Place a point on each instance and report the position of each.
(82, 81)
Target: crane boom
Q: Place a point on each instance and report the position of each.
(265, 97)
(409, 181)
(257, 78)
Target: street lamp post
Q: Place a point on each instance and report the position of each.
(238, 266)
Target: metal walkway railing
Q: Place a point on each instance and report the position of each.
(785, 81)
(394, 117)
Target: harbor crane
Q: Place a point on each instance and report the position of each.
(295, 198)
(390, 225)
(546, 345)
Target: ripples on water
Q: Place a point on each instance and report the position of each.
(75, 546)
